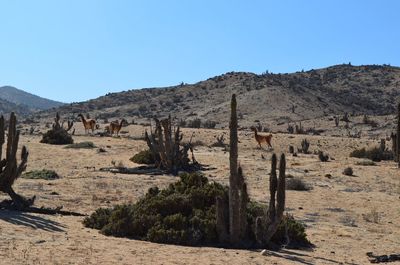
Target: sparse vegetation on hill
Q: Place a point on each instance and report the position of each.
(369, 89)
(20, 97)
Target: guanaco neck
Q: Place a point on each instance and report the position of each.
(120, 124)
(82, 118)
(255, 132)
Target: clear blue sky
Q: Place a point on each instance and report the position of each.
(74, 50)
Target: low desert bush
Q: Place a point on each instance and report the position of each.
(84, 145)
(143, 157)
(323, 157)
(57, 137)
(372, 217)
(220, 141)
(375, 154)
(196, 123)
(348, 171)
(184, 214)
(41, 174)
(208, 124)
(365, 163)
(297, 184)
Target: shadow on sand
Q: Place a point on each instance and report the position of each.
(30, 220)
(304, 258)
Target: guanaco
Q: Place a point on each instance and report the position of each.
(262, 138)
(115, 127)
(88, 124)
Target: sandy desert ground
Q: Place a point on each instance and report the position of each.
(346, 216)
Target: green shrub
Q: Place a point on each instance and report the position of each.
(143, 157)
(196, 123)
(209, 124)
(365, 163)
(57, 137)
(84, 145)
(41, 174)
(348, 171)
(297, 184)
(323, 157)
(184, 213)
(296, 232)
(375, 154)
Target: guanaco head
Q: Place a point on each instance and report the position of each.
(123, 121)
(254, 129)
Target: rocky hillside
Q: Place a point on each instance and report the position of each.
(7, 107)
(370, 89)
(30, 101)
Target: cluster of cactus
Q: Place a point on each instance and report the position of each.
(57, 126)
(345, 117)
(397, 153)
(10, 170)
(267, 225)
(396, 139)
(305, 145)
(165, 144)
(231, 215)
(336, 118)
(299, 129)
(58, 134)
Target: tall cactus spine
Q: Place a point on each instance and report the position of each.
(277, 198)
(234, 201)
(398, 136)
(231, 214)
(10, 170)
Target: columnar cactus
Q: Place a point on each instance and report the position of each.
(231, 217)
(398, 135)
(393, 137)
(266, 226)
(244, 199)
(336, 121)
(9, 168)
(234, 200)
(305, 145)
(231, 214)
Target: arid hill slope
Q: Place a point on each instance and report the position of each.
(20, 97)
(370, 89)
(6, 107)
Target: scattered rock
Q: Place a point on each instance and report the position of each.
(101, 150)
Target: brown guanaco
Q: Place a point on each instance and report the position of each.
(262, 138)
(88, 124)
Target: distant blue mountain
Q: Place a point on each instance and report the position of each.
(28, 100)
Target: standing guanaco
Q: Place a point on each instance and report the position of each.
(262, 138)
(88, 124)
(115, 127)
